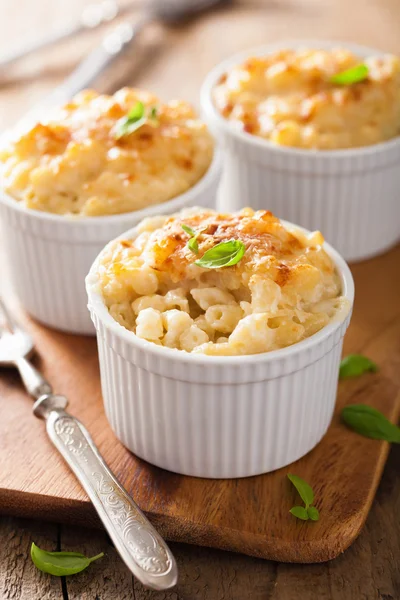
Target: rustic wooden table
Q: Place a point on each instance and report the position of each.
(173, 62)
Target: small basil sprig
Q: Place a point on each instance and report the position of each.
(369, 422)
(224, 254)
(135, 118)
(354, 365)
(350, 76)
(61, 563)
(307, 495)
(193, 243)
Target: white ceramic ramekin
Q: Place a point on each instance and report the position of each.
(218, 417)
(50, 255)
(351, 195)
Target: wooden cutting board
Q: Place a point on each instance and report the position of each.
(246, 515)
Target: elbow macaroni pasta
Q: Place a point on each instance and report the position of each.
(73, 164)
(287, 98)
(283, 290)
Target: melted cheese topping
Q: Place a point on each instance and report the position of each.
(283, 290)
(74, 165)
(287, 98)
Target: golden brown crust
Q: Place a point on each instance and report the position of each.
(283, 289)
(75, 164)
(269, 245)
(287, 97)
(258, 232)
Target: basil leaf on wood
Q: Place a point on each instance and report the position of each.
(371, 423)
(225, 254)
(300, 512)
(313, 513)
(305, 491)
(307, 495)
(354, 365)
(60, 563)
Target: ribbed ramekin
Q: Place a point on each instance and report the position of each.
(218, 417)
(50, 255)
(351, 195)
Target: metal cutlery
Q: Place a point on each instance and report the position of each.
(92, 17)
(95, 15)
(116, 42)
(140, 546)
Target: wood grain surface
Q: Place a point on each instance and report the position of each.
(173, 63)
(368, 570)
(247, 515)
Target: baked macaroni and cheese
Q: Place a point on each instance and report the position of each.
(103, 155)
(220, 284)
(322, 99)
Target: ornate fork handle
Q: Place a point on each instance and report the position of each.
(140, 546)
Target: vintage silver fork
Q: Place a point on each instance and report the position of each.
(140, 546)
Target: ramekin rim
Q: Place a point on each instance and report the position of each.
(210, 111)
(172, 205)
(97, 304)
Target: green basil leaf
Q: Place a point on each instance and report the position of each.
(60, 563)
(300, 512)
(224, 254)
(126, 127)
(153, 113)
(188, 230)
(305, 491)
(371, 423)
(134, 119)
(136, 112)
(193, 245)
(313, 513)
(350, 76)
(354, 365)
